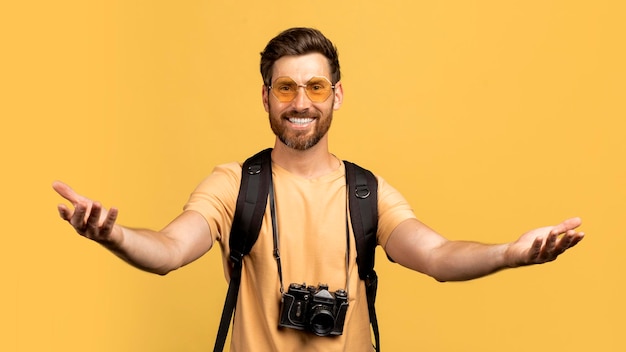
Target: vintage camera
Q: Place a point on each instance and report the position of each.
(314, 309)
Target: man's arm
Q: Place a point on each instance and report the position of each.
(182, 241)
(416, 246)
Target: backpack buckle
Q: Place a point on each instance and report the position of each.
(254, 169)
(235, 256)
(362, 192)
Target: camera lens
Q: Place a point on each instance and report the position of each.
(321, 321)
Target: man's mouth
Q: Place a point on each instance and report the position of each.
(301, 121)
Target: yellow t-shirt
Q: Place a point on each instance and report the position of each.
(311, 219)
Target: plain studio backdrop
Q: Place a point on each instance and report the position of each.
(491, 117)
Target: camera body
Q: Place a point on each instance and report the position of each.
(314, 309)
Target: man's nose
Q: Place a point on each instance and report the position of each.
(302, 100)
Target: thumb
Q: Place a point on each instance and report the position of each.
(566, 225)
(66, 192)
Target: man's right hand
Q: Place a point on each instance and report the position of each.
(88, 217)
(182, 241)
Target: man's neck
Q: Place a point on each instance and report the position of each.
(312, 163)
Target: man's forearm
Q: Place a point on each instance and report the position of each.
(147, 250)
(461, 260)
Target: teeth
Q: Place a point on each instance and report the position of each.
(300, 120)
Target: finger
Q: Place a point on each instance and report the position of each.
(535, 250)
(576, 239)
(67, 192)
(64, 212)
(78, 218)
(566, 225)
(91, 228)
(107, 226)
(573, 239)
(564, 243)
(547, 252)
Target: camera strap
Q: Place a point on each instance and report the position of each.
(275, 236)
(277, 246)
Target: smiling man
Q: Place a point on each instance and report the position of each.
(301, 90)
(300, 121)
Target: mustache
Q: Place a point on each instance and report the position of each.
(300, 114)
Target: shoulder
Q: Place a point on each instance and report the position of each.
(220, 186)
(230, 170)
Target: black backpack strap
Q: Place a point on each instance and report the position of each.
(251, 203)
(363, 202)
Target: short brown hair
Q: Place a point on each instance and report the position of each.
(299, 41)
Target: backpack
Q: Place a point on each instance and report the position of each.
(256, 178)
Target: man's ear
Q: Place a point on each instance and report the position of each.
(338, 96)
(266, 98)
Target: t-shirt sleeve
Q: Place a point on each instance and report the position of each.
(215, 198)
(393, 209)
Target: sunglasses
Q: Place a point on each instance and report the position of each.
(318, 89)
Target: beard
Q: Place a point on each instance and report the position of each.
(300, 140)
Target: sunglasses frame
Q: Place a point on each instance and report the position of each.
(298, 86)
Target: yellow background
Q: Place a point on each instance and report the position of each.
(491, 117)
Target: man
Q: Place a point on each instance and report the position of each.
(301, 89)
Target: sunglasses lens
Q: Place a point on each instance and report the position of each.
(318, 89)
(285, 89)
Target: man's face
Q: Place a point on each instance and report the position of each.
(301, 123)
